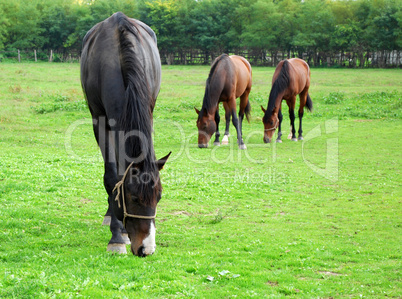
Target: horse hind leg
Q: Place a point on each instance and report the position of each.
(217, 121)
(225, 139)
(280, 117)
(292, 124)
(108, 216)
(303, 100)
(235, 122)
(300, 124)
(244, 108)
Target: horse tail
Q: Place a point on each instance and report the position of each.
(280, 84)
(137, 92)
(309, 103)
(137, 114)
(247, 111)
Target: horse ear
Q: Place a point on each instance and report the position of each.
(263, 110)
(196, 110)
(161, 162)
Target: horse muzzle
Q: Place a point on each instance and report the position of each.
(202, 145)
(144, 251)
(267, 139)
(146, 246)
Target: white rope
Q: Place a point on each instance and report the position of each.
(119, 187)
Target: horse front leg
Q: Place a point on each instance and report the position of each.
(292, 124)
(119, 237)
(217, 120)
(106, 141)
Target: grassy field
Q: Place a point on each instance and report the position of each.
(319, 218)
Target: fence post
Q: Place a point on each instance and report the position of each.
(19, 56)
(35, 56)
(51, 56)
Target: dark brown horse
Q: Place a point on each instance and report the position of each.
(120, 76)
(291, 78)
(229, 78)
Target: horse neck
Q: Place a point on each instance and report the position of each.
(274, 103)
(210, 103)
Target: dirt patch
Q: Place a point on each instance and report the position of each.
(181, 213)
(272, 283)
(86, 200)
(363, 120)
(330, 273)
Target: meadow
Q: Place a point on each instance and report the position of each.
(313, 218)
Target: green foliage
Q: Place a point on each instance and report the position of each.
(212, 26)
(59, 103)
(334, 98)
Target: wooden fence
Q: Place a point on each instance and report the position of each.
(379, 59)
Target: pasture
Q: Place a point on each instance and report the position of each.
(318, 218)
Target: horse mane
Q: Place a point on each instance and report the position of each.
(137, 114)
(280, 84)
(207, 104)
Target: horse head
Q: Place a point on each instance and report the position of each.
(271, 122)
(206, 127)
(138, 194)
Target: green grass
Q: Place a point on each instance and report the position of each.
(272, 221)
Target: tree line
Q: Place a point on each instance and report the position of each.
(324, 32)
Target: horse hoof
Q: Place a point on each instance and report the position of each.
(294, 139)
(126, 239)
(117, 248)
(300, 138)
(106, 220)
(278, 140)
(225, 140)
(217, 143)
(242, 146)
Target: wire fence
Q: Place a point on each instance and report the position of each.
(38, 55)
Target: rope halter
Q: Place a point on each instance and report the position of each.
(274, 127)
(119, 187)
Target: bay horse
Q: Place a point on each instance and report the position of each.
(291, 78)
(229, 78)
(120, 77)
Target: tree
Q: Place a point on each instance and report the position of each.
(316, 28)
(24, 31)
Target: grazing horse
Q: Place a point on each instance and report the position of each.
(291, 78)
(120, 77)
(229, 78)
